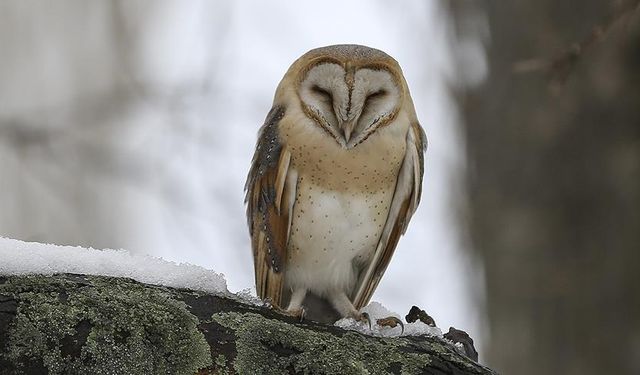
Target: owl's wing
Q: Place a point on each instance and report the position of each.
(404, 203)
(270, 193)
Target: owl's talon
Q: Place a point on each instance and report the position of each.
(392, 322)
(300, 313)
(303, 313)
(296, 313)
(364, 317)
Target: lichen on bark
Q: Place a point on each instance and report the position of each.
(74, 324)
(115, 324)
(274, 347)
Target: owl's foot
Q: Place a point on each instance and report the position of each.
(392, 322)
(295, 308)
(298, 313)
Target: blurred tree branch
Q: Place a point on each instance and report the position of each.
(559, 68)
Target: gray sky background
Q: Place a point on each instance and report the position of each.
(132, 124)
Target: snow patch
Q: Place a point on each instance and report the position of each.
(378, 311)
(27, 258)
(32, 258)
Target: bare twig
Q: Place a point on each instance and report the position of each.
(560, 67)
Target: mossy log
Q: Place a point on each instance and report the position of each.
(76, 324)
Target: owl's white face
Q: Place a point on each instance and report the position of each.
(351, 104)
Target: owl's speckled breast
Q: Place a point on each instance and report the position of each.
(369, 167)
(342, 202)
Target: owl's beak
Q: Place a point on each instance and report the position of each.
(347, 129)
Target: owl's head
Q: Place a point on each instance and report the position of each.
(348, 90)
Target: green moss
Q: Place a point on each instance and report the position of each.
(446, 353)
(119, 326)
(100, 325)
(221, 364)
(266, 346)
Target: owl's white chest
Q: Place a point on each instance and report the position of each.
(342, 200)
(332, 234)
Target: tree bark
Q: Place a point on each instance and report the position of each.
(553, 138)
(76, 324)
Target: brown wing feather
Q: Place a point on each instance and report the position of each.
(405, 201)
(266, 197)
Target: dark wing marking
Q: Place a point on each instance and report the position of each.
(269, 208)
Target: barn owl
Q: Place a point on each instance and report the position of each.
(335, 178)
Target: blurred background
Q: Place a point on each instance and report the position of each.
(131, 124)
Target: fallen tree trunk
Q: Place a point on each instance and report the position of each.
(76, 324)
